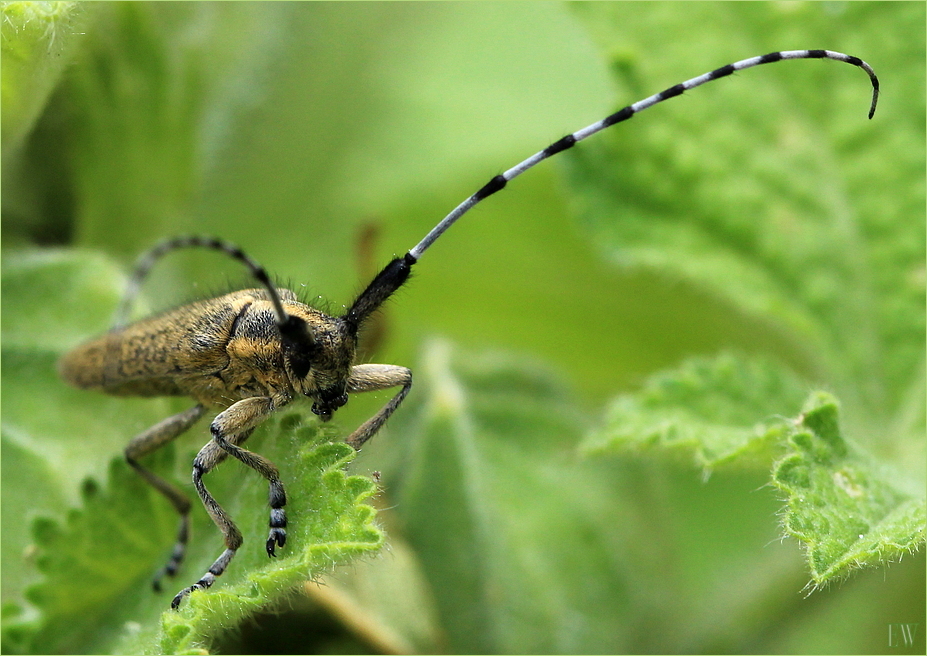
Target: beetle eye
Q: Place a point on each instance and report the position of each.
(300, 363)
(299, 348)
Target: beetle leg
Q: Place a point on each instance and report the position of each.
(229, 429)
(148, 442)
(371, 377)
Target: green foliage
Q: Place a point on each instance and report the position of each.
(493, 440)
(38, 39)
(332, 527)
(721, 409)
(761, 217)
(794, 226)
(830, 258)
(845, 508)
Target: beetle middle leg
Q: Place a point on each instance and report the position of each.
(148, 442)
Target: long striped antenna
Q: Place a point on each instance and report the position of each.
(499, 182)
(148, 259)
(294, 331)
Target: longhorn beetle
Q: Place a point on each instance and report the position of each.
(251, 352)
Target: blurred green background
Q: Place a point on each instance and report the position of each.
(291, 128)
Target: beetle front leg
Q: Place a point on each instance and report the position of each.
(249, 413)
(208, 457)
(371, 377)
(229, 429)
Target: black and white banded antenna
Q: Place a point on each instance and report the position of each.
(294, 331)
(148, 259)
(499, 181)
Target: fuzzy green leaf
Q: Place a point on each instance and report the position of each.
(330, 526)
(385, 600)
(487, 470)
(97, 537)
(716, 409)
(38, 39)
(787, 205)
(791, 210)
(847, 510)
(55, 437)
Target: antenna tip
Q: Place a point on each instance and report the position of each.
(875, 96)
(875, 90)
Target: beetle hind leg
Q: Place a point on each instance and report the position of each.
(148, 442)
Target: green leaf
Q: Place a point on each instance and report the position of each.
(386, 601)
(506, 520)
(717, 410)
(54, 437)
(98, 532)
(38, 39)
(158, 91)
(789, 209)
(848, 510)
(330, 526)
(770, 189)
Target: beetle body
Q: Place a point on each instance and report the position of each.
(247, 353)
(216, 351)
